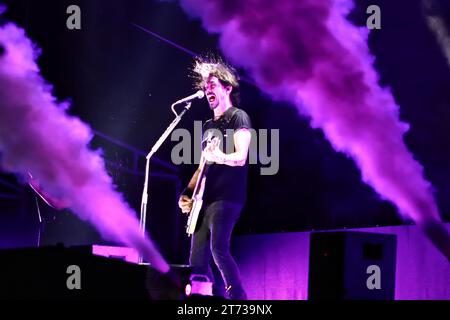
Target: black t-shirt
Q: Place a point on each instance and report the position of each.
(224, 182)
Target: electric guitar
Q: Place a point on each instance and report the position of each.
(197, 194)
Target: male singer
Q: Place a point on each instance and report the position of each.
(226, 178)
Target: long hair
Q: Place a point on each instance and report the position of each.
(205, 67)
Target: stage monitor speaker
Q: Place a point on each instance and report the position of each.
(352, 266)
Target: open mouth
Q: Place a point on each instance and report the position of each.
(211, 99)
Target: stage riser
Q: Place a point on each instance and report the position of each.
(351, 266)
(44, 273)
(276, 266)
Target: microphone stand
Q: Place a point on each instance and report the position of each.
(154, 149)
(41, 222)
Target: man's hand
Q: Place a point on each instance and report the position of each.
(242, 138)
(213, 153)
(185, 204)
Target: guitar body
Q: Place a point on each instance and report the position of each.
(197, 199)
(193, 216)
(197, 196)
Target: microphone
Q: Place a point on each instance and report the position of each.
(198, 95)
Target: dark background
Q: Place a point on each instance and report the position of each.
(121, 81)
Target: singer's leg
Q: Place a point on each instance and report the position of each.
(223, 217)
(200, 255)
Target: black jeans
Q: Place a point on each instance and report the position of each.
(213, 237)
